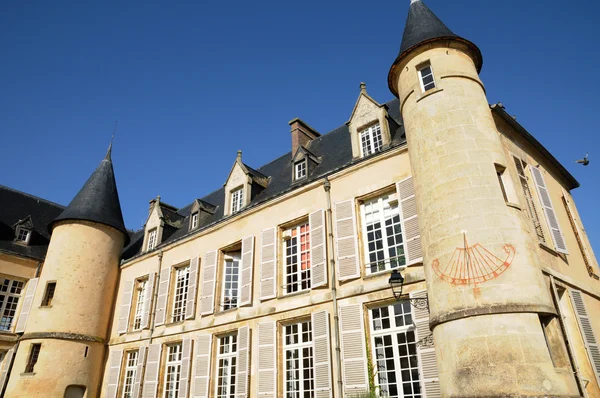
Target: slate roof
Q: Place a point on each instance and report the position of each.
(98, 200)
(334, 150)
(423, 26)
(16, 206)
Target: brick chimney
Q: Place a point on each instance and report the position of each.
(302, 134)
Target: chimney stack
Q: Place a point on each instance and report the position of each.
(302, 134)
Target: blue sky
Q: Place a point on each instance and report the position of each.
(193, 82)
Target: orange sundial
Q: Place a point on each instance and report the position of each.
(474, 264)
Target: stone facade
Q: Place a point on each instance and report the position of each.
(476, 215)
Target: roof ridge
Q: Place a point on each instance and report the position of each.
(31, 196)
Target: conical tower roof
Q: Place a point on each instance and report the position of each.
(98, 200)
(423, 26)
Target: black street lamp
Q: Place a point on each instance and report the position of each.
(396, 282)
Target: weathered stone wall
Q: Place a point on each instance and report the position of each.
(454, 146)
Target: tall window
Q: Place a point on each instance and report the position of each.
(194, 220)
(49, 294)
(226, 363)
(10, 293)
(533, 215)
(298, 354)
(370, 140)
(300, 169)
(140, 295)
(426, 78)
(395, 351)
(237, 200)
(231, 268)
(152, 239)
(297, 258)
(382, 230)
(34, 353)
(172, 370)
(182, 281)
(131, 361)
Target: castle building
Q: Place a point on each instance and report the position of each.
(278, 284)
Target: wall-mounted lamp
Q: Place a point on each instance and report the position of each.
(396, 282)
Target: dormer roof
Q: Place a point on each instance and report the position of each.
(98, 200)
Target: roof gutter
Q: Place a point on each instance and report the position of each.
(572, 183)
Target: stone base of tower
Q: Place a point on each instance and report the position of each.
(499, 355)
(65, 368)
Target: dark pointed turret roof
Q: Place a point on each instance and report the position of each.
(423, 26)
(98, 200)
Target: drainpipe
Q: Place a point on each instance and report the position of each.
(156, 283)
(337, 363)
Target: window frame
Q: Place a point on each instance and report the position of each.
(179, 299)
(141, 284)
(420, 70)
(18, 235)
(47, 299)
(370, 131)
(177, 363)
(236, 204)
(303, 279)
(129, 373)
(393, 331)
(532, 210)
(234, 257)
(299, 348)
(9, 297)
(232, 357)
(300, 169)
(152, 239)
(32, 358)
(387, 259)
(195, 219)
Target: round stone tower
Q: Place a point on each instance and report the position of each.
(485, 286)
(71, 327)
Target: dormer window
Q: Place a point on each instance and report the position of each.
(237, 200)
(23, 235)
(426, 78)
(152, 239)
(370, 140)
(300, 169)
(194, 220)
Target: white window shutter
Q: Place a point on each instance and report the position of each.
(209, 273)
(27, 303)
(354, 353)
(160, 315)
(202, 366)
(544, 195)
(321, 354)
(186, 360)
(5, 367)
(115, 358)
(148, 295)
(152, 368)
(318, 258)
(346, 244)
(190, 305)
(268, 264)
(247, 270)
(413, 250)
(243, 363)
(137, 382)
(267, 359)
(587, 331)
(125, 307)
(430, 380)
